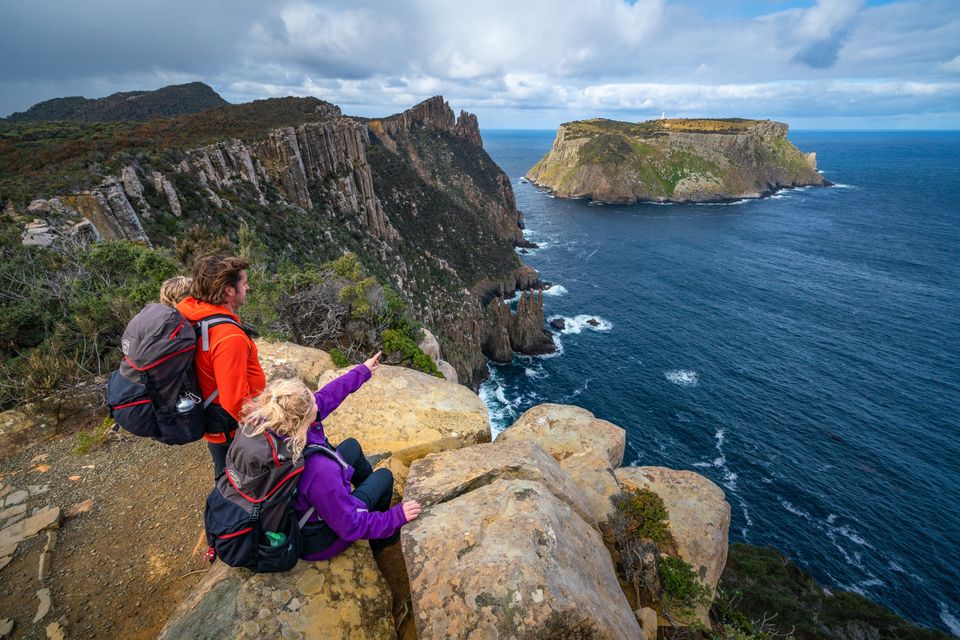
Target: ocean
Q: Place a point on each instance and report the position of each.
(802, 351)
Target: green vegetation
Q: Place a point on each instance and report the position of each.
(93, 438)
(400, 348)
(682, 590)
(43, 159)
(339, 360)
(652, 128)
(62, 312)
(759, 584)
(644, 515)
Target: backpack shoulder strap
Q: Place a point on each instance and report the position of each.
(204, 325)
(312, 449)
(318, 449)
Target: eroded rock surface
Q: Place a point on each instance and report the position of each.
(289, 360)
(509, 559)
(440, 477)
(345, 598)
(587, 448)
(699, 517)
(405, 414)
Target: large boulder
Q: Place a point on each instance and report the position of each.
(345, 598)
(442, 476)
(699, 517)
(511, 560)
(404, 415)
(587, 448)
(289, 360)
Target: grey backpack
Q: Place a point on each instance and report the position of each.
(155, 393)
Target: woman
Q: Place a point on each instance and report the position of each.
(334, 513)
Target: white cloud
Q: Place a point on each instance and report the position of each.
(953, 66)
(533, 58)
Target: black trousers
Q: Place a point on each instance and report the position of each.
(217, 420)
(373, 488)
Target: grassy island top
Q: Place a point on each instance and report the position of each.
(599, 126)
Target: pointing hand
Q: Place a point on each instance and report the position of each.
(374, 362)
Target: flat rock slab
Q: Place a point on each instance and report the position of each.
(699, 517)
(289, 360)
(345, 598)
(440, 477)
(43, 519)
(511, 560)
(407, 414)
(565, 430)
(587, 448)
(43, 595)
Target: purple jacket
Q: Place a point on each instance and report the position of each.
(325, 485)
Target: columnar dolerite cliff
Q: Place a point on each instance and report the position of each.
(414, 195)
(673, 161)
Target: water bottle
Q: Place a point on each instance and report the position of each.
(185, 403)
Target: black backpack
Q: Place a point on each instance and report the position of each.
(249, 517)
(155, 393)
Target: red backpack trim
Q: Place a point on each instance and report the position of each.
(161, 360)
(272, 491)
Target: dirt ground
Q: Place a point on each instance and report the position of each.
(120, 569)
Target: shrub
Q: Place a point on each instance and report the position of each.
(403, 350)
(681, 587)
(339, 360)
(644, 516)
(80, 299)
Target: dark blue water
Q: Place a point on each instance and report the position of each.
(801, 351)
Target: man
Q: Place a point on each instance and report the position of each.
(230, 366)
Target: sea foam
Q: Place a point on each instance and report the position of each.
(682, 377)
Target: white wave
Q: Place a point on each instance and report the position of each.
(839, 185)
(578, 324)
(724, 204)
(730, 480)
(576, 392)
(523, 180)
(501, 412)
(683, 377)
(535, 373)
(555, 290)
(831, 518)
(795, 510)
(950, 620)
(556, 343)
(852, 536)
(872, 582)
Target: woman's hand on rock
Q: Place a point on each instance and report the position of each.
(374, 362)
(411, 508)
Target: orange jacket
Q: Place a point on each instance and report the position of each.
(231, 365)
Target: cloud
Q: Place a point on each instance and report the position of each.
(528, 58)
(823, 29)
(953, 66)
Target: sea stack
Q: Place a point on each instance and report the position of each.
(679, 160)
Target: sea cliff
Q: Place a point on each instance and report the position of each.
(672, 161)
(413, 195)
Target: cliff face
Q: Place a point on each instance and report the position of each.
(414, 195)
(673, 161)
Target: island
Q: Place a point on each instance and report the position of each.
(673, 160)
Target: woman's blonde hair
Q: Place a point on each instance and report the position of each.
(286, 408)
(174, 290)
